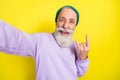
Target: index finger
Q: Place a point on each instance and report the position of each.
(87, 41)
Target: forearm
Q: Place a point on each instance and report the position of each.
(82, 66)
(14, 41)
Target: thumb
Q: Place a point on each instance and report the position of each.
(87, 41)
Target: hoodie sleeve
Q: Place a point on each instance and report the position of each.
(82, 66)
(13, 41)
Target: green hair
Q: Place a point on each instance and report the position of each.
(71, 7)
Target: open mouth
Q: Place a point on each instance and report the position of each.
(64, 33)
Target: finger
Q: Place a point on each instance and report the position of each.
(87, 41)
(84, 45)
(81, 47)
(76, 45)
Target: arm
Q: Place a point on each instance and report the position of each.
(82, 66)
(13, 41)
(82, 57)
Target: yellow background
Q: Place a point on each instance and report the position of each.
(99, 19)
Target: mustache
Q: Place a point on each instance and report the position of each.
(66, 30)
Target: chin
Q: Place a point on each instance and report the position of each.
(63, 40)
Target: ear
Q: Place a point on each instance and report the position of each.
(56, 24)
(74, 28)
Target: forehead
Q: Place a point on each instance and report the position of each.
(68, 13)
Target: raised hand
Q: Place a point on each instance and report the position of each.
(83, 49)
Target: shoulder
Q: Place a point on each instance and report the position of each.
(41, 35)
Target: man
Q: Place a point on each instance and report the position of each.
(57, 56)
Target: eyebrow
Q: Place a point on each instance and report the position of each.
(71, 19)
(62, 18)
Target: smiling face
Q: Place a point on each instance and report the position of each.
(65, 27)
(67, 20)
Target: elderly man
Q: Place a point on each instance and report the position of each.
(57, 56)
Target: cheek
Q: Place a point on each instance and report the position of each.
(72, 27)
(59, 24)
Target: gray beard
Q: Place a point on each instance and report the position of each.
(63, 41)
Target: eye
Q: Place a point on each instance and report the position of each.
(72, 22)
(61, 20)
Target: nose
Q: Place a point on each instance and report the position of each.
(65, 25)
